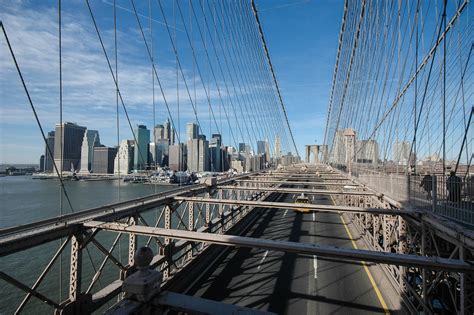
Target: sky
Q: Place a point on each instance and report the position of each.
(301, 37)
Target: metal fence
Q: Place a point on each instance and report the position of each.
(449, 196)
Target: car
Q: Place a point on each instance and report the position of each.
(302, 199)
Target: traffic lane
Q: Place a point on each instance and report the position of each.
(325, 285)
(284, 282)
(245, 277)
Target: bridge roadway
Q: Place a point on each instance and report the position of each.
(288, 283)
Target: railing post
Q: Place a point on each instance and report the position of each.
(132, 243)
(208, 210)
(402, 249)
(77, 302)
(167, 242)
(75, 276)
(190, 224)
(423, 253)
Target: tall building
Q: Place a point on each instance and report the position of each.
(168, 132)
(203, 160)
(216, 154)
(41, 164)
(197, 152)
(367, 151)
(192, 131)
(401, 152)
(177, 157)
(140, 158)
(48, 159)
(91, 139)
(123, 161)
(193, 155)
(216, 139)
(277, 147)
(241, 147)
(103, 159)
(68, 142)
(158, 132)
(261, 147)
(267, 151)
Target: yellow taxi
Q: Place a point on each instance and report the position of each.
(302, 199)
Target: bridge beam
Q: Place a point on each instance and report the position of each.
(295, 183)
(295, 206)
(302, 190)
(437, 263)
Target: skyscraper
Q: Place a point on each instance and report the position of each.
(241, 147)
(140, 159)
(203, 160)
(277, 147)
(168, 132)
(90, 140)
(41, 164)
(123, 161)
(192, 131)
(103, 159)
(401, 152)
(193, 155)
(158, 132)
(216, 139)
(48, 159)
(197, 149)
(68, 142)
(177, 157)
(216, 153)
(261, 147)
(367, 151)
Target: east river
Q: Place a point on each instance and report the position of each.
(25, 200)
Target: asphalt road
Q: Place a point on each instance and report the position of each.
(287, 283)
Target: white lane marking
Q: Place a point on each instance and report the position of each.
(314, 216)
(263, 258)
(284, 214)
(315, 265)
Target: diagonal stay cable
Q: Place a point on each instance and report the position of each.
(254, 9)
(35, 114)
(116, 83)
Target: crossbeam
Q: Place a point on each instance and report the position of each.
(307, 178)
(293, 182)
(294, 247)
(295, 206)
(301, 190)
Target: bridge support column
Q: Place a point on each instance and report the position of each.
(77, 302)
(75, 275)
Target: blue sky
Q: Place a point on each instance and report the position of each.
(301, 37)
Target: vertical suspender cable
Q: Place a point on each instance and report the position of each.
(61, 128)
(444, 91)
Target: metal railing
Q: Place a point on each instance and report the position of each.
(449, 196)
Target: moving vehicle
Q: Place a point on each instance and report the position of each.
(302, 199)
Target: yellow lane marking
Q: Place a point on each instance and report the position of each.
(369, 275)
